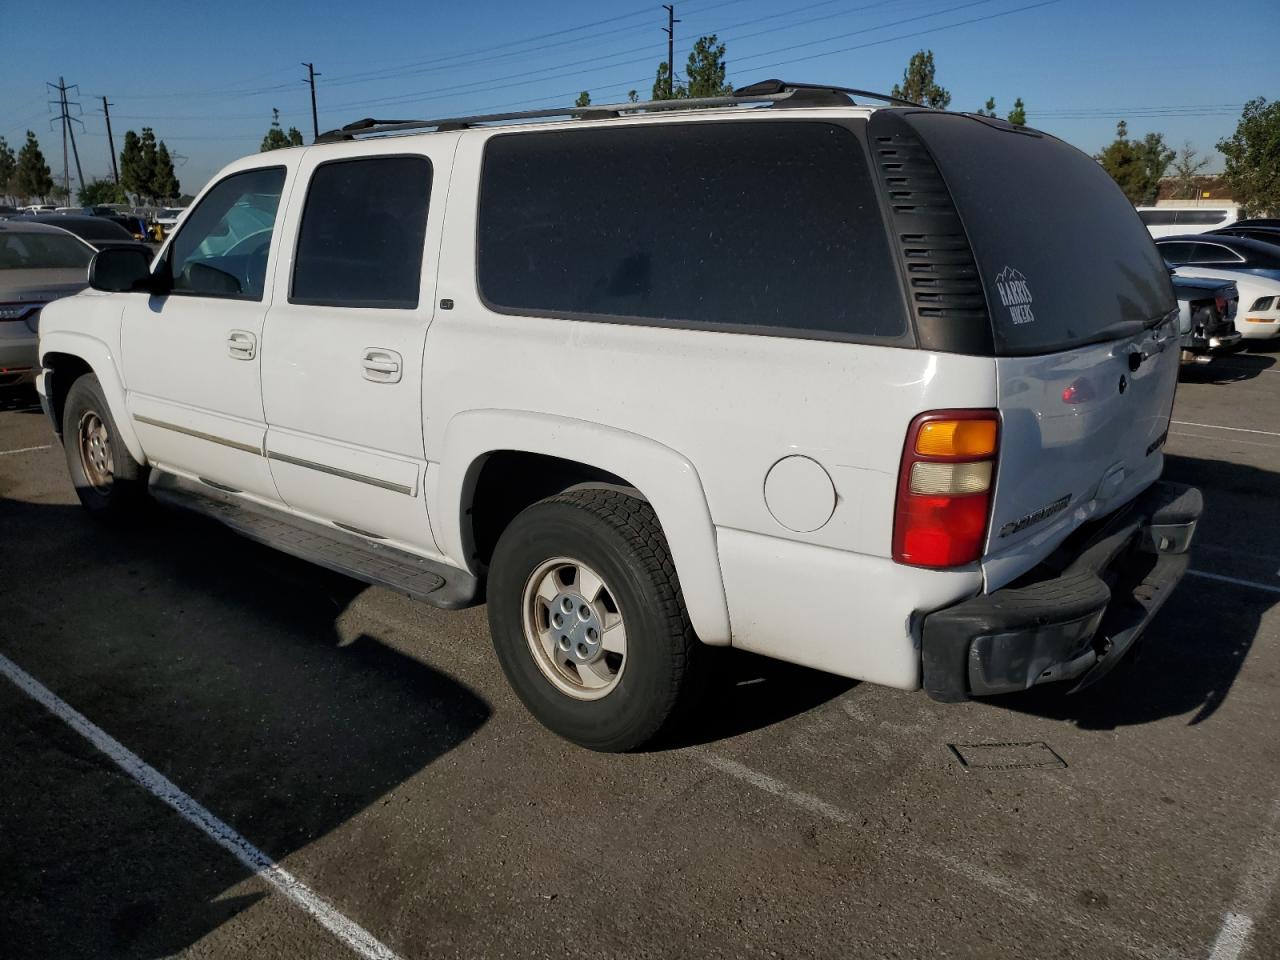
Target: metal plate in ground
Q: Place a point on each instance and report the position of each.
(1005, 756)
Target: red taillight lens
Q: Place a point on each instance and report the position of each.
(1221, 303)
(944, 489)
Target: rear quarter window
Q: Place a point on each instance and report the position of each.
(745, 226)
(1062, 254)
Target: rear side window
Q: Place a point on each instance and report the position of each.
(1158, 218)
(362, 234)
(751, 227)
(1063, 257)
(1201, 217)
(1212, 253)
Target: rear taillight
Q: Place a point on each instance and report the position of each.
(1221, 304)
(944, 487)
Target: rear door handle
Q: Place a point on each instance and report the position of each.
(381, 366)
(242, 344)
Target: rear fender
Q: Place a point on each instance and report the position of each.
(662, 476)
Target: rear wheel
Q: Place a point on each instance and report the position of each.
(108, 481)
(588, 620)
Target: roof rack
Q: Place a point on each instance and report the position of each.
(776, 93)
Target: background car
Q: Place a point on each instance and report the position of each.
(1254, 267)
(1206, 311)
(168, 219)
(1257, 230)
(98, 232)
(38, 263)
(1166, 221)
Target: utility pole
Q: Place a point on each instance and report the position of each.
(64, 114)
(111, 144)
(311, 79)
(670, 31)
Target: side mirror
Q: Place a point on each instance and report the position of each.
(121, 270)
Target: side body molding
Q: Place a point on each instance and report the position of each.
(98, 356)
(668, 481)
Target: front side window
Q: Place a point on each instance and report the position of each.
(1175, 253)
(362, 234)
(1201, 217)
(221, 250)
(744, 226)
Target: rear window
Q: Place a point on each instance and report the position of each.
(1062, 254)
(745, 226)
(33, 251)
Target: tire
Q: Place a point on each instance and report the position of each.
(109, 482)
(617, 702)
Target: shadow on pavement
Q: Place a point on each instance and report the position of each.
(1193, 651)
(22, 399)
(1229, 368)
(224, 665)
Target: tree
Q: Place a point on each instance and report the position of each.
(584, 99)
(989, 110)
(132, 177)
(665, 90)
(1018, 115)
(147, 165)
(1253, 158)
(165, 185)
(632, 97)
(8, 167)
(32, 178)
(706, 69)
(1185, 170)
(918, 84)
(97, 192)
(276, 138)
(1136, 165)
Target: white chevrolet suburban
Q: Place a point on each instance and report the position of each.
(878, 390)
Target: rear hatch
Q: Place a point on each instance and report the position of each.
(1083, 328)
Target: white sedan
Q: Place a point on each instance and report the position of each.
(1252, 265)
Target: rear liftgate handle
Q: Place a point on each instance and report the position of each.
(382, 366)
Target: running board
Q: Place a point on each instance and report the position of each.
(356, 556)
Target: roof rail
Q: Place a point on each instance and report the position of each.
(776, 93)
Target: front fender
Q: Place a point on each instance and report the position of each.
(667, 480)
(99, 357)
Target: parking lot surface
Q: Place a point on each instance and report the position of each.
(370, 747)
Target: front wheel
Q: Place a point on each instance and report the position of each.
(588, 620)
(108, 481)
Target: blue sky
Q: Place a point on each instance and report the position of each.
(205, 76)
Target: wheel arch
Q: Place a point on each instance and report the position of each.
(65, 358)
(601, 456)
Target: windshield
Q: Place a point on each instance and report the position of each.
(1063, 257)
(33, 251)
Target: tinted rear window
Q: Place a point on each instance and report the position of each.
(1061, 252)
(362, 234)
(758, 227)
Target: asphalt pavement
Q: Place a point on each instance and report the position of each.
(367, 748)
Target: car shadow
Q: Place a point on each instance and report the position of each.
(22, 399)
(232, 670)
(745, 692)
(1228, 368)
(1193, 650)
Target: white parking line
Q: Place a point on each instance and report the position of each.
(1214, 426)
(1269, 588)
(1004, 886)
(1209, 436)
(5, 453)
(348, 931)
(1256, 884)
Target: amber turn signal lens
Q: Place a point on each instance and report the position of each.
(956, 438)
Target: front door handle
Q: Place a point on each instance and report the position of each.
(242, 344)
(382, 366)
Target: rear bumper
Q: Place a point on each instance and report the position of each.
(1075, 616)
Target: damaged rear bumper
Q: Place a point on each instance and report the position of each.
(1076, 615)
